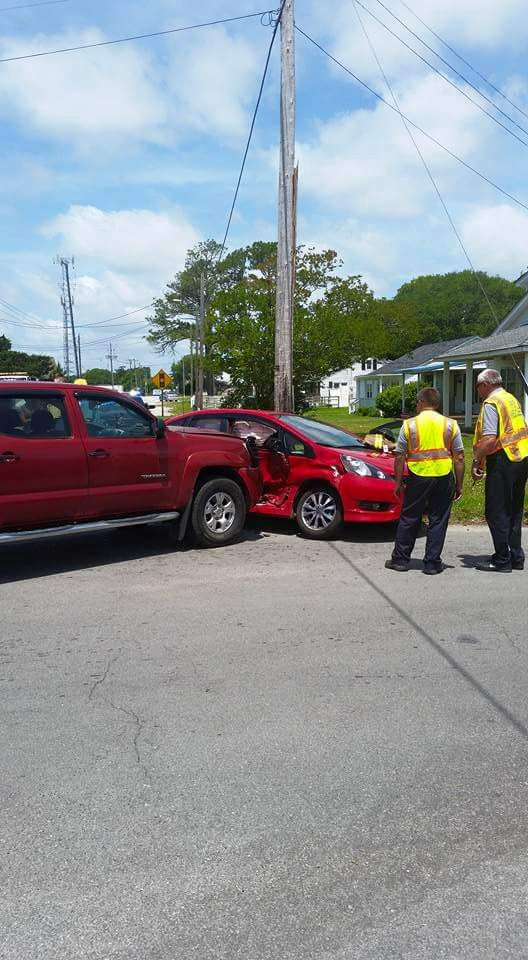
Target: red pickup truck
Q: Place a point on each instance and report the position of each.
(76, 458)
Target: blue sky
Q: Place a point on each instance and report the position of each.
(127, 155)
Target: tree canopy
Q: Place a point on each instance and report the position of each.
(35, 365)
(452, 305)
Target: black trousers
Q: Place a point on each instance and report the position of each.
(505, 486)
(431, 495)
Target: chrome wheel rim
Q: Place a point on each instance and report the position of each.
(219, 513)
(319, 510)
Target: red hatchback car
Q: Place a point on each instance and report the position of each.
(315, 473)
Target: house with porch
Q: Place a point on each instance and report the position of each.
(453, 366)
(423, 364)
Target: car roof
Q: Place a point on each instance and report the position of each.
(236, 411)
(36, 385)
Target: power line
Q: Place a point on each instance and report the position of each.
(251, 129)
(141, 36)
(444, 77)
(416, 126)
(463, 60)
(425, 164)
(451, 67)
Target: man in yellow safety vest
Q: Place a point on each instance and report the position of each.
(432, 446)
(501, 446)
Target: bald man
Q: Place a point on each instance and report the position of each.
(501, 448)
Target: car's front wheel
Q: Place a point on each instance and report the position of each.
(319, 513)
(218, 513)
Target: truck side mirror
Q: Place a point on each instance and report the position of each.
(160, 428)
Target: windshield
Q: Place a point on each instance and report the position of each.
(323, 434)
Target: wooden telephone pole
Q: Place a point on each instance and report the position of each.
(286, 218)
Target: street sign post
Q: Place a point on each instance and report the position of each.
(162, 381)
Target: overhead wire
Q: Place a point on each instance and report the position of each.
(416, 126)
(251, 130)
(463, 60)
(27, 6)
(139, 36)
(451, 83)
(450, 66)
(425, 164)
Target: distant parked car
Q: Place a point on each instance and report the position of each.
(76, 458)
(312, 472)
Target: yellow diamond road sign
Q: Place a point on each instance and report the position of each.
(162, 380)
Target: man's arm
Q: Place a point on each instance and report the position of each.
(489, 442)
(399, 464)
(487, 445)
(459, 464)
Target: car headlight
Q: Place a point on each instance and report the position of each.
(362, 469)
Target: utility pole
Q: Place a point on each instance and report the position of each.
(286, 218)
(66, 338)
(111, 356)
(65, 264)
(200, 364)
(79, 353)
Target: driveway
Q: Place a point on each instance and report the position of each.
(275, 751)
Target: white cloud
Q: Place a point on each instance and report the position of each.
(212, 78)
(130, 241)
(364, 162)
(80, 96)
(498, 239)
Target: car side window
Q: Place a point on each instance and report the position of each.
(106, 417)
(246, 427)
(218, 424)
(30, 416)
(295, 447)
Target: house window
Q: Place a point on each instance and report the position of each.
(374, 364)
(369, 364)
(344, 384)
(369, 391)
(363, 365)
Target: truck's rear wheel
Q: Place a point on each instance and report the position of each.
(218, 513)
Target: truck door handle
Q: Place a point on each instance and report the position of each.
(99, 454)
(8, 456)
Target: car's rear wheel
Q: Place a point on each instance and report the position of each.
(218, 513)
(319, 514)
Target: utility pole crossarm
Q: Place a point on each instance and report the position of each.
(286, 218)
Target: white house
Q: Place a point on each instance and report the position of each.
(340, 389)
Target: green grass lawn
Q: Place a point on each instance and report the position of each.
(178, 406)
(470, 509)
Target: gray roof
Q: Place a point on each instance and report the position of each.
(417, 357)
(487, 347)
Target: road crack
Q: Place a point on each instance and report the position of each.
(139, 727)
(100, 680)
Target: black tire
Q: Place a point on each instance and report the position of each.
(231, 503)
(319, 499)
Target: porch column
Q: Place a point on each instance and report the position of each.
(525, 398)
(445, 389)
(403, 393)
(468, 420)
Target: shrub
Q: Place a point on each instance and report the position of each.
(365, 411)
(389, 400)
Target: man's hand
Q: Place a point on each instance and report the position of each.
(458, 493)
(398, 490)
(477, 471)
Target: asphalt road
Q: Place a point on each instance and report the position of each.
(276, 751)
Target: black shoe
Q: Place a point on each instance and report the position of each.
(396, 565)
(517, 565)
(432, 571)
(491, 567)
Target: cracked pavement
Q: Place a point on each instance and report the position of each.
(276, 751)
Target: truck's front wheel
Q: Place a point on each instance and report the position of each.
(218, 513)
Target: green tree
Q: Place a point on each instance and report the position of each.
(34, 364)
(243, 333)
(99, 376)
(452, 305)
(140, 377)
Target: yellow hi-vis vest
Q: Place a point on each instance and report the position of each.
(429, 444)
(513, 432)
